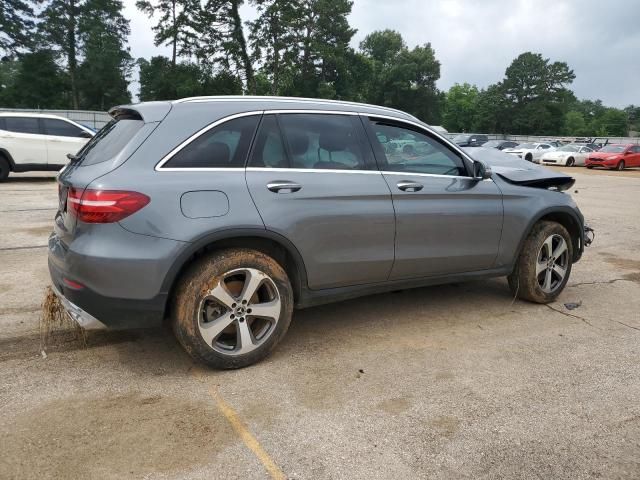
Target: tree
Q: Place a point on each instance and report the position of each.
(492, 110)
(59, 26)
(574, 124)
(536, 90)
(106, 64)
(90, 35)
(160, 80)
(35, 81)
(461, 108)
(403, 78)
(613, 123)
(16, 24)
(175, 25)
(274, 43)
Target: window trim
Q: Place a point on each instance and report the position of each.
(420, 129)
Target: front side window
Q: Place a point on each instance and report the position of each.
(409, 150)
(224, 146)
(61, 128)
(22, 124)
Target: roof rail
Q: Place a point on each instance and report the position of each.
(213, 98)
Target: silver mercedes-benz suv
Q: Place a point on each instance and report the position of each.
(223, 214)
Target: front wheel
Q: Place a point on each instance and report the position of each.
(620, 165)
(571, 162)
(232, 308)
(544, 265)
(528, 157)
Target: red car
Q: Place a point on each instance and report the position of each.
(615, 156)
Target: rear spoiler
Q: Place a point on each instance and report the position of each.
(147, 111)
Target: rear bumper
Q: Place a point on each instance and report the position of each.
(92, 310)
(119, 276)
(82, 318)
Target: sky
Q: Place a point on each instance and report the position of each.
(476, 40)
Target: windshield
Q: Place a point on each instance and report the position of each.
(529, 146)
(493, 143)
(109, 141)
(568, 148)
(461, 138)
(613, 149)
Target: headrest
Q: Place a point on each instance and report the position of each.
(334, 140)
(298, 142)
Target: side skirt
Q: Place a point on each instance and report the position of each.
(311, 298)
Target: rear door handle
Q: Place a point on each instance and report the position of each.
(410, 186)
(284, 187)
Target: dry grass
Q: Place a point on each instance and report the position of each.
(56, 326)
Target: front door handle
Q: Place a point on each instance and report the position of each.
(284, 187)
(410, 186)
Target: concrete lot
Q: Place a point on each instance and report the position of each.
(443, 382)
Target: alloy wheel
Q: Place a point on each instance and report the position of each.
(241, 312)
(552, 263)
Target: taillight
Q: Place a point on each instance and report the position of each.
(104, 206)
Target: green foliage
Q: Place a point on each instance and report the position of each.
(574, 124)
(461, 108)
(402, 78)
(33, 81)
(16, 24)
(536, 90)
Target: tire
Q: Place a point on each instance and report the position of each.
(620, 166)
(534, 257)
(571, 162)
(528, 157)
(209, 298)
(589, 167)
(5, 168)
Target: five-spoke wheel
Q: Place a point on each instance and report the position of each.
(232, 307)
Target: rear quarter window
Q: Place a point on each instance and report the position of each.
(109, 141)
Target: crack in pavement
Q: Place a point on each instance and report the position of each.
(600, 282)
(7, 249)
(566, 314)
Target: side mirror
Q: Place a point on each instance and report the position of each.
(628, 152)
(481, 171)
(85, 134)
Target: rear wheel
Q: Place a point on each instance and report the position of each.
(232, 308)
(570, 162)
(544, 265)
(4, 169)
(620, 165)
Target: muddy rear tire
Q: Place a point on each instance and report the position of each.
(232, 307)
(544, 265)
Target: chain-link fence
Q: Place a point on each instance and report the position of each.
(86, 117)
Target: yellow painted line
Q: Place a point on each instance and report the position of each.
(243, 431)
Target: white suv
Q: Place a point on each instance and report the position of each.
(32, 141)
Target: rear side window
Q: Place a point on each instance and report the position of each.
(224, 146)
(268, 150)
(109, 141)
(322, 141)
(61, 128)
(22, 124)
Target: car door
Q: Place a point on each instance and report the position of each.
(313, 179)
(446, 221)
(62, 138)
(634, 157)
(22, 139)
